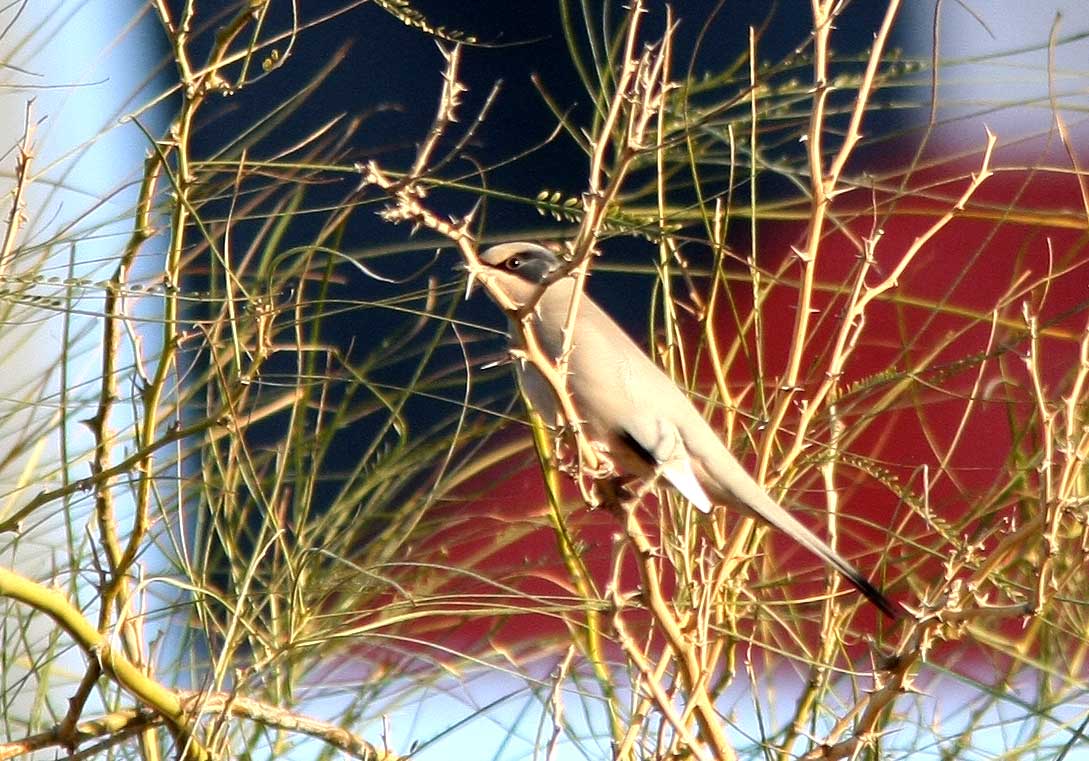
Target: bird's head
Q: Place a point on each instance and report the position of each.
(518, 269)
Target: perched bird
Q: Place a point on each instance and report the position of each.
(631, 409)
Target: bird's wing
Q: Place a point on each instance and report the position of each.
(679, 473)
(658, 443)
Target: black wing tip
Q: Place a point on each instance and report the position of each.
(893, 610)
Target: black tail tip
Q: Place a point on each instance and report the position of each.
(893, 610)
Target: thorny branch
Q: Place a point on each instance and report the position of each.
(824, 185)
(24, 154)
(639, 98)
(894, 675)
(126, 722)
(863, 295)
(685, 649)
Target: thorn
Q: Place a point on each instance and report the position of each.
(474, 270)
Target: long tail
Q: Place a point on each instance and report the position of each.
(743, 490)
(776, 515)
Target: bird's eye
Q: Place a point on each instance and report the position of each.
(514, 262)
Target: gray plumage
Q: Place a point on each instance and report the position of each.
(634, 410)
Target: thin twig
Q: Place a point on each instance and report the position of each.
(171, 436)
(823, 188)
(23, 157)
(684, 649)
(114, 664)
(863, 295)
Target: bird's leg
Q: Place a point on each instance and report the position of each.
(593, 483)
(605, 466)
